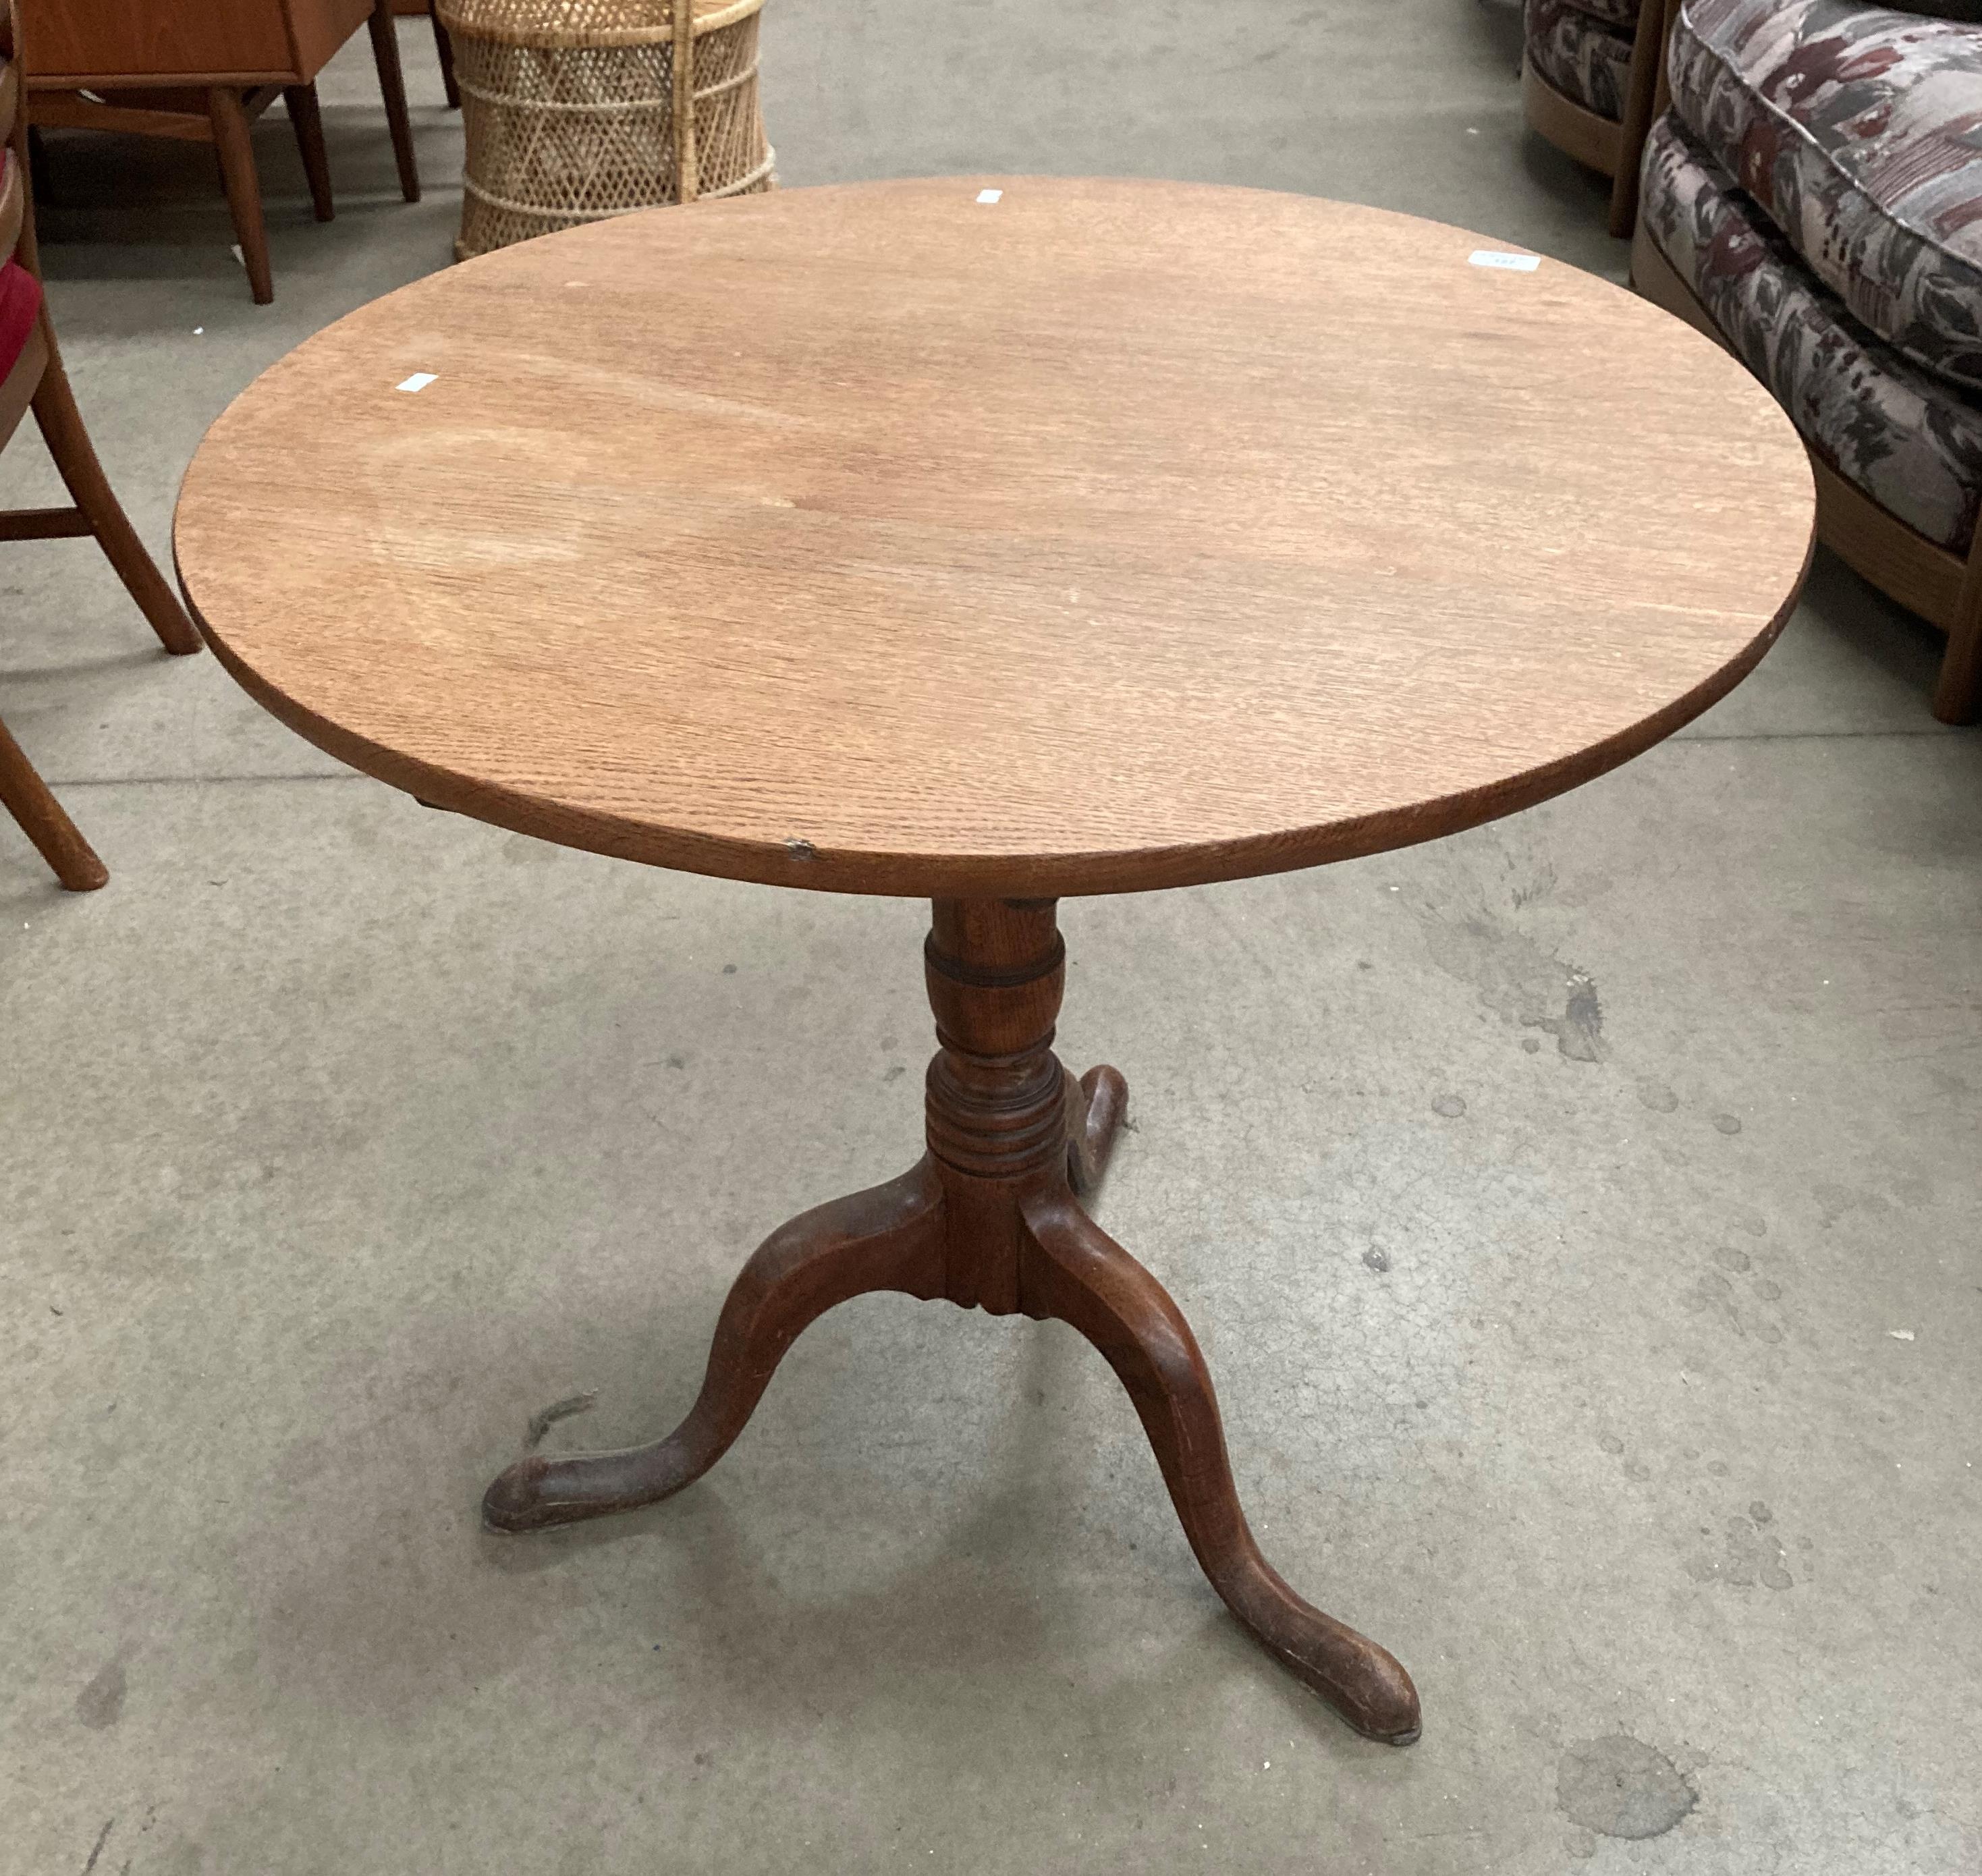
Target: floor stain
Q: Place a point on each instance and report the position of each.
(546, 1418)
(1579, 1031)
(1712, 1293)
(1450, 1106)
(1727, 1124)
(1750, 1554)
(1518, 979)
(1620, 1787)
(1657, 1096)
(102, 1837)
(100, 1703)
(1833, 1201)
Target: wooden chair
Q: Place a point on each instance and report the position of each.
(31, 378)
(1610, 146)
(202, 71)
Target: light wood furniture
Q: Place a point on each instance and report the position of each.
(37, 381)
(1586, 136)
(201, 71)
(1102, 537)
(1944, 588)
(1610, 148)
(579, 110)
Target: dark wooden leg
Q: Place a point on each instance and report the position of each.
(306, 120)
(38, 170)
(1958, 697)
(989, 1219)
(25, 796)
(1096, 1104)
(69, 444)
(235, 149)
(888, 1238)
(444, 49)
(1078, 1274)
(1647, 55)
(392, 83)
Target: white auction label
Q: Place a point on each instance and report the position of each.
(990, 194)
(1513, 263)
(418, 382)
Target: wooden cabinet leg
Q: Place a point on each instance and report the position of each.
(76, 460)
(235, 149)
(444, 50)
(392, 83)
(306, 119)
(26, 797)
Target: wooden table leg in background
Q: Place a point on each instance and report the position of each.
(235, 149)
(444, 51)
(392, 85)
(306, 119)
(991, 1218)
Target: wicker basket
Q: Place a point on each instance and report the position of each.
(576, 110)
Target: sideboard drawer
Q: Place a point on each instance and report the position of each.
(155, 38)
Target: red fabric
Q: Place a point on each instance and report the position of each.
(20, 302)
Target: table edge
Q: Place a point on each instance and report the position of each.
(994, 876)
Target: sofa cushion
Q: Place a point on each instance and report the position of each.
(1858, 131)
(1910, 441)
(1968, 10)
(1623, 13)
(1587, 60)
(20, 302)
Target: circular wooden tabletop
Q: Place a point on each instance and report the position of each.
(891, 538)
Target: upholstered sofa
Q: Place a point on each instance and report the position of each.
(1588, 71)
(1813, 199)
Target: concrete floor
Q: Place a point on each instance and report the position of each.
(1580, 1216)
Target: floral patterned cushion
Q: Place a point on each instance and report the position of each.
(1911, 442)
(1618, 12)
(1587, 60)
(1857, 130)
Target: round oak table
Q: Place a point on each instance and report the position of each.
(990, 541)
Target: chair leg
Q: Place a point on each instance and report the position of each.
(444, 49)
(1647, 57)
(38, 169)
(1957, 698)
(235, 149)
(26, 797)
(392, 83)
(306, 120)
(69, 442)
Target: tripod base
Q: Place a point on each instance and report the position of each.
(991, 1217)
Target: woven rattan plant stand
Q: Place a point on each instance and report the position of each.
(576, 110)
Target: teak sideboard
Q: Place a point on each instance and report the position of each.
(202, 71)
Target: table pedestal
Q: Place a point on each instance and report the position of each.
(989, 1219)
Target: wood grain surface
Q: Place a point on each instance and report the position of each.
(105, 39)
(1114, 535)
